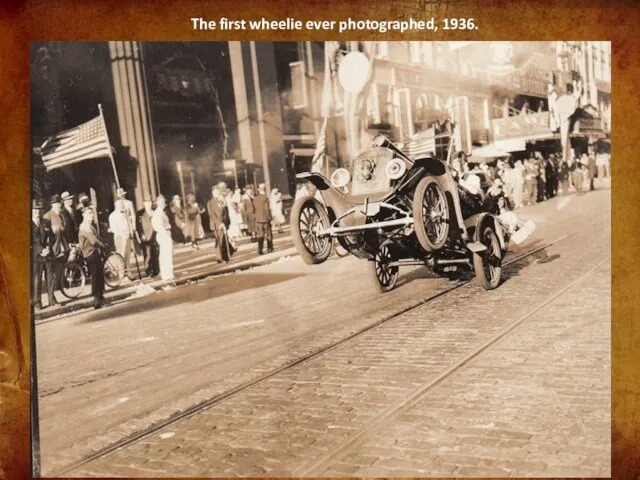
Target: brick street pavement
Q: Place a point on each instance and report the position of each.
(537, 404)
(529, 405)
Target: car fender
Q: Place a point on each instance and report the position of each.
(476, 222)
(335, 200)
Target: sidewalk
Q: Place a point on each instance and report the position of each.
(131, 289)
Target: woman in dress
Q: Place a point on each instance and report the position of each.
(193, 222)
(233, 201)
(179, 223)
(275, 203)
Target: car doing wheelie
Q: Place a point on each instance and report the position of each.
(394, 211)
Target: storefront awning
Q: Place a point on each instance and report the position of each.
(511, 145)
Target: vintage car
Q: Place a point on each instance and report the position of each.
(394, 211)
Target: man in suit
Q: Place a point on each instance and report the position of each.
(148, 239)
(59, 247)
(263, 220)
(219, 222)
(93, 252)
(41, 240)
(69, 215)
(249, 211)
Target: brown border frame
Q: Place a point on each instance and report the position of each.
(22, 22)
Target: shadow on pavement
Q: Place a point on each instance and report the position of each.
(514, 270)
(191, 294)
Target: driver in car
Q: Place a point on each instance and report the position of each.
(469, 189)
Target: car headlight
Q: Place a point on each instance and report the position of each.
(395, 169)
(340, 178)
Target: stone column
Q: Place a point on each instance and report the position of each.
(131, 104)
(241, 101)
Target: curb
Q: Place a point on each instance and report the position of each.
(125, 292)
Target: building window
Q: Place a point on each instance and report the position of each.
(373, 101)
(428, 54)
(298, 85)
(382, 49)
(476, 112)
(384, 103)
(402, 102)
(415, 52)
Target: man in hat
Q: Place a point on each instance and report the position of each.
(126, 238)
(219, 222)
(148, 239)
(70, 227)
(59, 247)
(263, 220)
(41, 240)
(130, 210)
(249, 211)
(93, 252)
(83, 202)
(119, 226)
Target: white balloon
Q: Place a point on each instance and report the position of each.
(354, 71)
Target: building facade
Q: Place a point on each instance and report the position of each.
(182, 116)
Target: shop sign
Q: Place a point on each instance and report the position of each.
(407, 78)
(521, 126)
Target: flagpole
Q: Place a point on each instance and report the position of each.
(132, 231)
(113, 163)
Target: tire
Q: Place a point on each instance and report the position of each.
(431, 214)
(73, 279)
(488, 265)
(384, 277)
(114, 270)
(307, 215)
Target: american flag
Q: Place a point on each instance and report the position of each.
(85, 141)
(423, 143)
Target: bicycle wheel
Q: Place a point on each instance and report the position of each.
(114, 269)
(73, 280)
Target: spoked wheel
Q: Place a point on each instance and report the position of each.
(431, 214)
(385, 276)
(488, 264)
(308, 218)
(114, 270)
(73, 280)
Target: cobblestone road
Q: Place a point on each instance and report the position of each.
(535, 402)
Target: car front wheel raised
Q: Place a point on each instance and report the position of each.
(308, 218)
(431, 214)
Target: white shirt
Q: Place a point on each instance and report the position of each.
(118, 223)
(160, 221)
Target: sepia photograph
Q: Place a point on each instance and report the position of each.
(321, 259)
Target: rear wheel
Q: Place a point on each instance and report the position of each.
(384, 275)
(308, 218)
(431, 214)
(114, 270)
(488, 264)
(73, 280)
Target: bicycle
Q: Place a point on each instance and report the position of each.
(75, 274)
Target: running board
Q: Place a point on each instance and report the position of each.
(476, 247)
